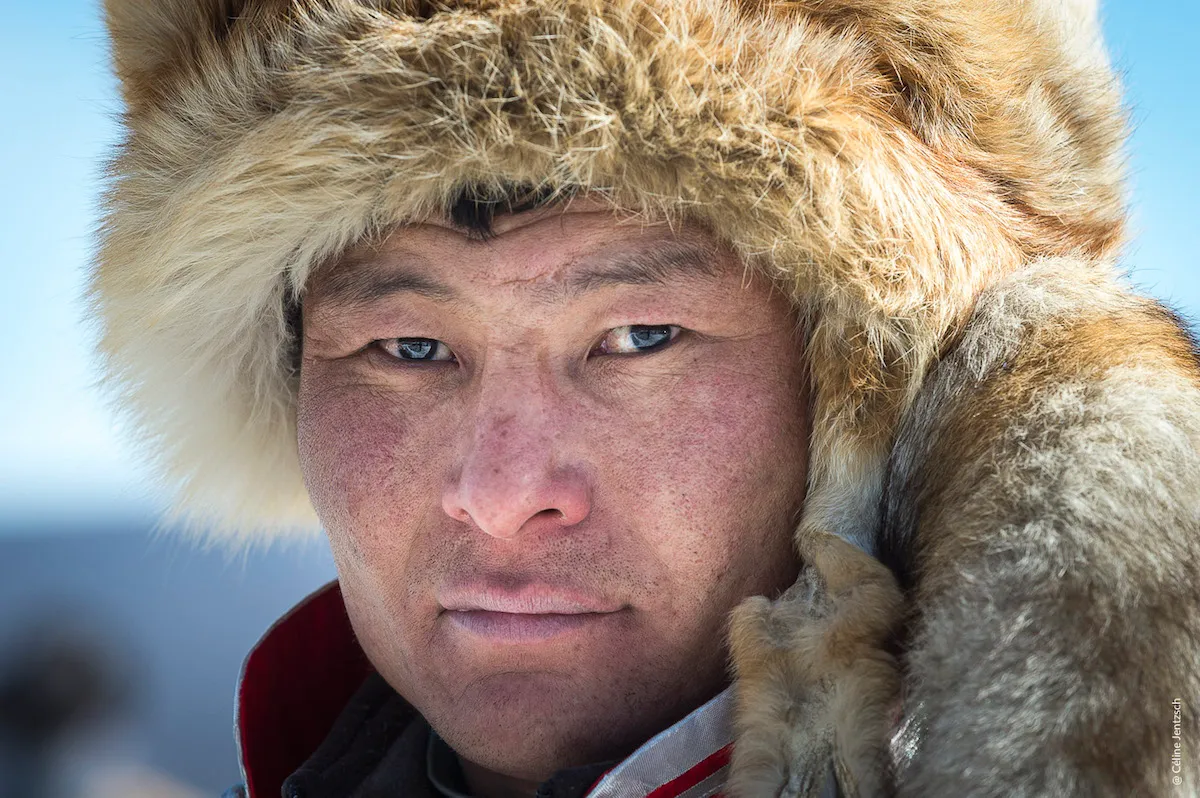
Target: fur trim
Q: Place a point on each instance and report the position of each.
(886, 160)
(1044, 507)
(816, 684)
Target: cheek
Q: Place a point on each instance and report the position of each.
(715, 472)
(370, 473)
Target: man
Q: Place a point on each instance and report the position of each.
(590, 331)
(549, 463)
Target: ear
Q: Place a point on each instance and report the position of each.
(152, 37)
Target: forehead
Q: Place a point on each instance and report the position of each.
(555, 253)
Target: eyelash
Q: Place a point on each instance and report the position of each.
(675, 331)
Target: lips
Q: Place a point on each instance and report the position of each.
(527, 600)
(530, 613)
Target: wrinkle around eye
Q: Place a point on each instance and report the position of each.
(331, 341)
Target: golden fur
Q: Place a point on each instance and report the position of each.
(888, 162)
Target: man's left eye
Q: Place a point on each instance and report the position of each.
(415, 349)
(634, 338)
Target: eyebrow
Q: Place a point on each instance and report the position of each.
(360, 282)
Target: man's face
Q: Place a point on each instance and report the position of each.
(549, 465)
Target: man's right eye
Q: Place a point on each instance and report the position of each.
(418, 349)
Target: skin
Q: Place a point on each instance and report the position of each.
(550, 455)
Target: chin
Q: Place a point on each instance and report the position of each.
(530, 724)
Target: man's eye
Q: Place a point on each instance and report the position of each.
(416, 349)
(634, 338)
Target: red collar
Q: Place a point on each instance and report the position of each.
(294, 684)
(299, 676)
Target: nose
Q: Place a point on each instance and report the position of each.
(518, 471)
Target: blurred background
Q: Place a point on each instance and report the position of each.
(119, 648)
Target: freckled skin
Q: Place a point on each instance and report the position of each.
(666, 482)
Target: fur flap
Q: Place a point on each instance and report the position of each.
(885, 160)
(1048, 481)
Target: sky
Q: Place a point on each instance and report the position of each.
(64, 454)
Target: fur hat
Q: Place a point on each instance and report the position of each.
(883, 160)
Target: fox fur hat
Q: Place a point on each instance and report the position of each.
(882, 160)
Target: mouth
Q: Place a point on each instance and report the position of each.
(528, 614)
(522, 627)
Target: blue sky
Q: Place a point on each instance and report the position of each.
(63, 452)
